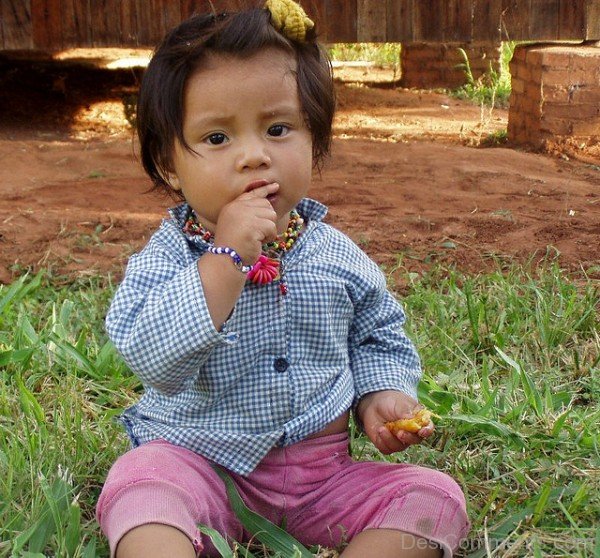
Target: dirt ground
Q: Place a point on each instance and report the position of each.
(408, 178)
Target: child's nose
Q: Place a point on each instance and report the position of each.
(253, 155)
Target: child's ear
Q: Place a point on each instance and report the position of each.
(173, 181)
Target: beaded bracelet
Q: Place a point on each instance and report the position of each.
(232, 254)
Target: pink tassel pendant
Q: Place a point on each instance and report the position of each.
(264, 271)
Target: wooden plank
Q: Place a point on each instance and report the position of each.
(487, 21)
(543, 20)
(2, 23)
(189, 8)
(572, 19)
(515, 18)
(371, 21)
(105, 22)
(129, 26)
(16, 24)
(429, 20)
(77, 23)
(171, 13)
(401, 24)
(457, 26)
(57, 24)
(315, 9)
(592, 21)
(150, 28)
(221, 6)
(46, 24)
(487, 16)
(341, 17)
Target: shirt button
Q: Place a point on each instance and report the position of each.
(281, 364)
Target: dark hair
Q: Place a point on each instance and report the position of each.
(181, 53)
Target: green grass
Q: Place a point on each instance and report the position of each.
(494, 87)
(384, 54)
(511, 361)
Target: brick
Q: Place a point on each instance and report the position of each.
(582, 77)
(587, 64)
(519, 138)
(556, 94)
(555, 59)
(555, 77)
(518, 85)
(585, 94)
(558, 126)
(522, 72)
(520, 53)
(536, 74)
(590, 128)
(531, 119)
(513, 67)
(534, 57)
(570, 111)
(533, 90)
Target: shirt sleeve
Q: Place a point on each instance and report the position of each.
(382, 357)
(159, 320)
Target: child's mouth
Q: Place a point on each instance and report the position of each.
(256, 184)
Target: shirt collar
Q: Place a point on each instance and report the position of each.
(309, 209)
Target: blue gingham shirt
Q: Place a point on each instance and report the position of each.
(280, 369)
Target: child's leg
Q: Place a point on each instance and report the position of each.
(410, 510)
(156, 495)
(155, 541)
(390, 543)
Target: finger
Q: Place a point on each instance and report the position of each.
(388, 443)
(261, 191)
(426, 431)
(406, 437)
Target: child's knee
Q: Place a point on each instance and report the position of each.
(151, 484)
(160, 483)
(161, 461)
(152, 468)
(446, 484)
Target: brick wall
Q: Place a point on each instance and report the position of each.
(426, 66)
(555, 93)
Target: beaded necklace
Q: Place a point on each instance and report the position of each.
(267, 267)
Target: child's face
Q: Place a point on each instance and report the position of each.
(243, 119)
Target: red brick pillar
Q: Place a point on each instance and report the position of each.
(428, 65)
(555, 93)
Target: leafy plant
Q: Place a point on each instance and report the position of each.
(493, 88)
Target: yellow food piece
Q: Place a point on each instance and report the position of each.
(288, 17)
(421, 419)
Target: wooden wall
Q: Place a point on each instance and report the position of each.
(61, 24)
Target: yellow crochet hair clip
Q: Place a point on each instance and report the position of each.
(289, 18)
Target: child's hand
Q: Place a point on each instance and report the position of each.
(379, 407)
(247, 222)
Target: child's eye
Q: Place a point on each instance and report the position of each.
(216, 139)
(278, 130)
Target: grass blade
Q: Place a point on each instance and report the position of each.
(264, 530)
(90, 549)
(29, 404)
(542, 503)
(218, 541)
(488, 426)
(73, 530)
(19, 290)
(19, 355)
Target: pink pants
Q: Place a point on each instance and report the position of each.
(322, 495)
